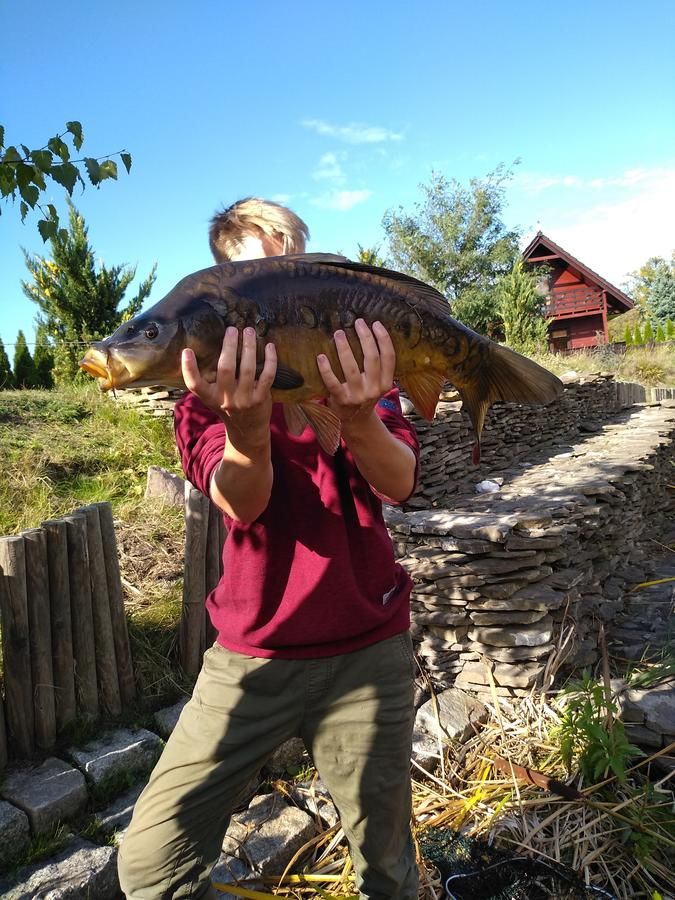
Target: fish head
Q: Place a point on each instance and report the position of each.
(145, 350)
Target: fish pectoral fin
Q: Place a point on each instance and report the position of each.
(324, 423)
(296, 420)
(424, 387)
(286, 378)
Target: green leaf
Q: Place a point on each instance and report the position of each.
(43, 159)
(108, 169)
(65, 174)
(75, 128)
(7, 180)
(23, 206)
(59, 148)
(93, 170)
(126, 159)
(26, 151)
(47, 229)
(30, 193)
(2, 136)
(11, 155)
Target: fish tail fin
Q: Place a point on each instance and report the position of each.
(506, 376)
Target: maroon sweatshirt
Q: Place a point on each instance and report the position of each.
(315, 574)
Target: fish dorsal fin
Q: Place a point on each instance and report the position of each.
(437, 302)
(423, 386)
(324, 423)
(315, 257)
(286, 378)
(507, 376)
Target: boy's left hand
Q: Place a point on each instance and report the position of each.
(354, 399)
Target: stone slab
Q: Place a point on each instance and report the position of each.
(166, 719)
(454, 712)
(14, 832)
(118, 752)
(114, 820)
(81, 871)
(50, 793)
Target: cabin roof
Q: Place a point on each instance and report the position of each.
(540, 240)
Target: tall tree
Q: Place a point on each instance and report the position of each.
(78, 301)
(456, 240)
(662, 295)
(641, 282)
(522, 308)
(24, 172)
(370, 256)
(24, 366)
(44, 359)
(6, 376)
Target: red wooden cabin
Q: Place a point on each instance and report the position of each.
(579, 300)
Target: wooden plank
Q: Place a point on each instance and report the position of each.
(16, 647)
(194, 582)
(84, 646)
(106, 663)
(214, 566)
(40, 637)
(4, 752)
(62, 633)
(118, 616)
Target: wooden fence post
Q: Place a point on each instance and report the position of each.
(62, 633)
(118, 616)
(84, 647)
(16, 646)
(106, 663)
(40, 637)
(213, 568)
(194, 583)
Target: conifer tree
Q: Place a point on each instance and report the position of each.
(24, 365)
(44, 359)
(6, 377)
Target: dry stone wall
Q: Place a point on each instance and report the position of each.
(502, 580)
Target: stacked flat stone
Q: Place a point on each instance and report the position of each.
(496, 575)
(154, 401)
(512, 432)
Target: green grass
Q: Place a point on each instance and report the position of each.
(62, 449)
(649, 367)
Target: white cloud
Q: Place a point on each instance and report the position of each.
(328, 167)
(354, 133)
(281, 198)
(342, 201)
(617, 236)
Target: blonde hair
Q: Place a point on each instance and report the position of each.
(257, 217)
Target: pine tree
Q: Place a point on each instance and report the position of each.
(637, 337)
(660, 333)
(670, 330)
(6, 377)
(44, 359)
(648, 335)
(627, 336)
(522, 309)
(24, 365)
(78, 301)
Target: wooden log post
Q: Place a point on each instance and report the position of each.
(118, 616)
(40, 637)
(194, 582)
(16, 647)
(62, 633)
(4, 753)
(106, 663)
(84, 647)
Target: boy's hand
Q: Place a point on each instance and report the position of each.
(243, 402)
(354, 399)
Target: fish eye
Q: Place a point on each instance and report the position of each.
(151, 331)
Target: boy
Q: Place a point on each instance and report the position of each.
(311, 613)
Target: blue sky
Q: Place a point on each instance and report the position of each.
(342, 110)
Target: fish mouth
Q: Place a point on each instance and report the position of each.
(96, 362)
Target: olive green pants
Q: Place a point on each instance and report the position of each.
(355, 714)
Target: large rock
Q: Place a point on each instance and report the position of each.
(117, 753)
(14, 832)
(452, 713)
(263, 839)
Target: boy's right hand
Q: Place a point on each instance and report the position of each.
(244, 402)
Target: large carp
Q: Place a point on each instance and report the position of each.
(298, 302)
